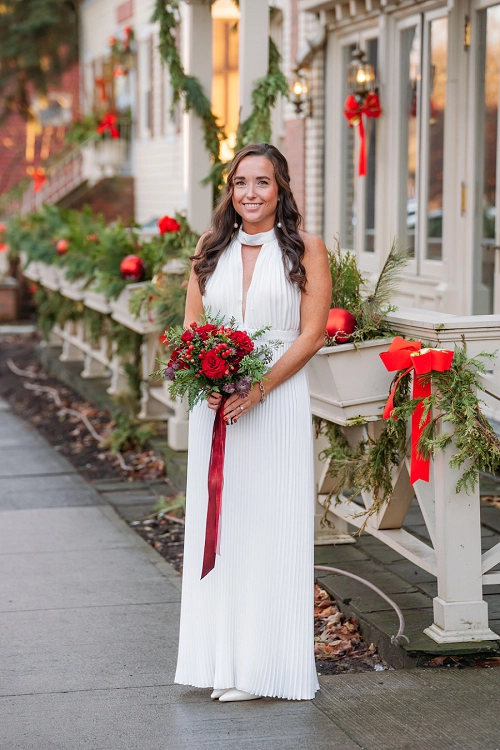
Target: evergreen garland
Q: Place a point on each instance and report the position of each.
(255, 129)
(453, 399)
(186, 86)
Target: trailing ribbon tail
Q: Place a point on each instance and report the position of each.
(215, 486)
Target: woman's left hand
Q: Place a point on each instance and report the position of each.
(236, 406)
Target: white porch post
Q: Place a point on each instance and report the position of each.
(197, 54)
(253, 49)
(460, 613)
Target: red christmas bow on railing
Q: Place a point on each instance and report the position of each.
(354, 109)
(409, 355)
(108, 122)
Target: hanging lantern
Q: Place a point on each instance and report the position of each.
(360, 74)
(132, 268)
(299, 91)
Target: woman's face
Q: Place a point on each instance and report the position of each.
(255, 192)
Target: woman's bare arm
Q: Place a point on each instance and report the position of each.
(194, 300)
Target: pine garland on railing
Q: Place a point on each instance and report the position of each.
(453, 399)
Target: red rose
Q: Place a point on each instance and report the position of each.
(167, 224)
(187, 336)
(175, 355)
(213, 366)
(205, 331)
(242, 342)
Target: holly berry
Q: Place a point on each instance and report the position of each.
(62, 247)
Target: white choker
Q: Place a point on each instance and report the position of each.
(256, 239)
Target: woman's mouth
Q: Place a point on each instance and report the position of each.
(252, 206)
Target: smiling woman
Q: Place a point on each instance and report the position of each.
(257, 267)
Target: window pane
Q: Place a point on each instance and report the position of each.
(371, 136)
(410, 103)
(438, 33)
(348, 181)
(486, 209)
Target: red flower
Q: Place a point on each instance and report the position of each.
(187, 336)
(242, 342)
(213, 366)
(205, 331)
(167, 224)
(175, 355)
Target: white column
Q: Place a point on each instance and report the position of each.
(460, 614)
(253, 49)
(197, 60)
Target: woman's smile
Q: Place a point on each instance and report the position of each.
(255, 193)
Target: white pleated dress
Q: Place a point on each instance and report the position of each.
(249, 623)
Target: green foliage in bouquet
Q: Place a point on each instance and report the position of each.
(350, 291)
(191, 349)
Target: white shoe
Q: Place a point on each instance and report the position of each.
(237, 695)
(217, 693)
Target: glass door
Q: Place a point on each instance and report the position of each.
(487, 230)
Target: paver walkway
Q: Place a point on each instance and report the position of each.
(88, 629)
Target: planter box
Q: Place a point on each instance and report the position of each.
(110, 154)
(72, 289)
(96, 301)
(50, 276)
(346, 382)
(30, 270)
(121, 313)
(8, 300)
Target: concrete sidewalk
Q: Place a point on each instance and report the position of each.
(88, 636)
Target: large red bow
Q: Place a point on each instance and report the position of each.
(354, 109)
(409, 355)
(108, 122)
(39, 178)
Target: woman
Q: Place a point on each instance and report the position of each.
(247, 627)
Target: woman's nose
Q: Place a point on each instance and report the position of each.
(250, 191)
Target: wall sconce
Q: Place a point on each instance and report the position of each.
(360, 75)
(299, 92)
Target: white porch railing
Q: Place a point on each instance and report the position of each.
(453, 520)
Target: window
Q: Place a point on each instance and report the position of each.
(225, 97)
(357, 225)
(423, 53)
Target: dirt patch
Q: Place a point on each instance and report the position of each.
(67, 433)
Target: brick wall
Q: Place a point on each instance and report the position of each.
(13, 136)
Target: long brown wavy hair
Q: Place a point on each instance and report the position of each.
(225, 216)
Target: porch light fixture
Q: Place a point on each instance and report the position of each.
(299, 91)
(360, 75)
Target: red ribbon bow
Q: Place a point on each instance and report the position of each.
(354, 109)
(108, 122)
(215, 485)
(409, 355)
(39, 178)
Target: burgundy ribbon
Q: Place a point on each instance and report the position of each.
(215, 485)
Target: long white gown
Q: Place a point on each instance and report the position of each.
(249, 623)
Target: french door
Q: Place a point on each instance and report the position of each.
(486, 298)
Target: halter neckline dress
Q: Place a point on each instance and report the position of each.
(249, 623)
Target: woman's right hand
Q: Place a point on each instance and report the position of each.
(213, 401)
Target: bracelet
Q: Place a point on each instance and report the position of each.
(262, 392)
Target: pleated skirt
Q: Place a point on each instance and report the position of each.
(249, 623)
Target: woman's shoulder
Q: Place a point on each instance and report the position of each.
(313, 245)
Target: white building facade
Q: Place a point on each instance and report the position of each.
(432, 168)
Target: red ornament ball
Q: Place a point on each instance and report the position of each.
(340, 325)
(62, 247)
(132, 268)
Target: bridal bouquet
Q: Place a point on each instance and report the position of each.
(215, 357)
